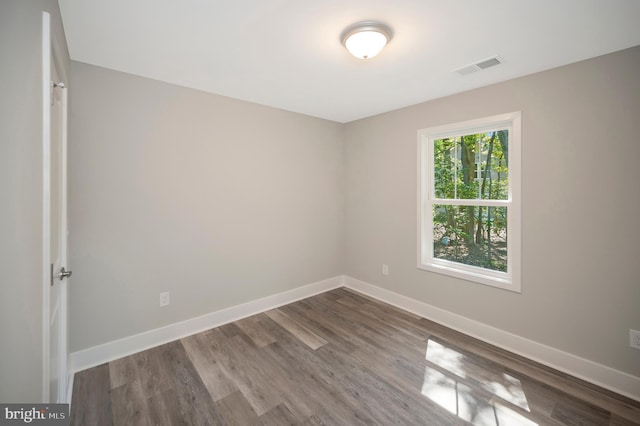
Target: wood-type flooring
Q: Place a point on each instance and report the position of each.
(338, 358)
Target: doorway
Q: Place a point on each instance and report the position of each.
(55, 235)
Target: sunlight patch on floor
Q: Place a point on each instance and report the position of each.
(451, 387)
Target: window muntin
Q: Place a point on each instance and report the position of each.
(469, 218)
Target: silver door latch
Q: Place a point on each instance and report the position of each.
(64, 274)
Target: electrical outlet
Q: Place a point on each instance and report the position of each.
(634, 339)
(164, 299)
(385, 269)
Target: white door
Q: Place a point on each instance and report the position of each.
(55, 309)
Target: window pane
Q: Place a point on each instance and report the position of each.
(472, 166)
(472, 235)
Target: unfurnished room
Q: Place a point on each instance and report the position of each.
(358, 212)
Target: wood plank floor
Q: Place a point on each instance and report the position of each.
(338, 358)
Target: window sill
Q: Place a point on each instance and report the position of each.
(467, 273)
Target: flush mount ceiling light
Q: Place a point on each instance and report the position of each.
(365, 40)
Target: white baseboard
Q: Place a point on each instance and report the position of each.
(96, 355)
(601, 375)
(598, 374)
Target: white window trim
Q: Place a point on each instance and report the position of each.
(510, 280)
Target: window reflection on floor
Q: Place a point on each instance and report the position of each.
(479, 395)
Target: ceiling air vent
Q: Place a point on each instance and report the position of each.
(478, 66)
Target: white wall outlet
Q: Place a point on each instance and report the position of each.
(385, 269)
(634, 339)
(164, 299)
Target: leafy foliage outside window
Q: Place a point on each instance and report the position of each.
(469, 224)
(471, 167)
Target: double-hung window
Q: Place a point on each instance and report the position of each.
(469, 200)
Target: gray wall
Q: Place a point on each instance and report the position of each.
(21, 193)
(581, 201)
(216, 200)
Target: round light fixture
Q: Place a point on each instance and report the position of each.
(365, 40)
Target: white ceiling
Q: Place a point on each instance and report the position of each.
(288, 54)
